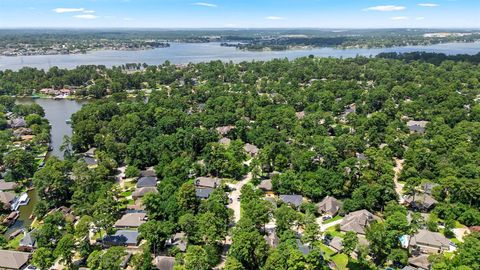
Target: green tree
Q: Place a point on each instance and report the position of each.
(196, 259)
(43, 258)
(65, 249)
(350, 242)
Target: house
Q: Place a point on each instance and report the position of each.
(357, 221)
(203, 193)
(336, 244)
(13, 260)
(7, 186)
(292, 200)
(17, 123)
(421, 201)
(131, 220)
(417, 126)
(149, 172)
(208, 182)
(225, 141)
(421, 262)
(91, 162)
(429, 242)
(272, 239)
(266, 185)
(7, 198)
(122, 238)
(428, 187)
(329, 205)
(90, 152)
(147, 181)
(251, 149)
(178, 240)
(140, 192)
(304, 249)
(224, 130)
(164, 262)
(28, 242)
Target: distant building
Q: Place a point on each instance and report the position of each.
(292, 200)
(251, 149)
(7, 198)
(336, 244)
(420, 262)
(178, 240)
(224, 130)
(7, 186)
(417, 126)
(357, 221)
(225, 141)
(131, 220)
(329, 205)
(266, 185)
(13, 260)
(90, 152)
(303, 248)
(17, 123)
(429, 242)
(28, 242)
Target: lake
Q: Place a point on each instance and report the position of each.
(183, 53)
(57, 112)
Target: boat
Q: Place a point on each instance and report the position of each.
(10, 219)
(58, 97)
(35, 97)
(22, 200)
(68, 121)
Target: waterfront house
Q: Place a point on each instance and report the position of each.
(91, 162)
(208, 182)
(357, 221)
(329, 205)
(17, 123)
(7, 186)
(429, 242)
(28, 242)
(292, 200)
(131, 220)
(91, 152)
(7, 198)
(122, 238)
(13, 260)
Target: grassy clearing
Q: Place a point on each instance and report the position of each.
(334, 232)
(341, 261)
(335, 218)
(15, 242)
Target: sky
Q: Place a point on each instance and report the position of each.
(240, 13)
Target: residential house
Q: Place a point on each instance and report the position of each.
(178, 240)
(429, 242)
(420, 262)
(90, 152)
(91, 162)
(17, 123)
(336, 244)
(224, 130)
(329, 205)
(292, 200)
(357, 221)
(7, 198)
(208, 182)
(122, 238)
(225, 141)
(251, 149)
(421, 202)
(272, 239)
(131, 220)
(7, 186)
(147, 181)
(13, 260)
(28, 242)
(417, 126)
(164, 262)
(428, 187)
(140, 192)
(267, 187)
(203, 193)
(149, 172)
(304, 249)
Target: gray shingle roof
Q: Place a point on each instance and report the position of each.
(211, 182)
(121, 238)
(131, 220)
(357, 221)
(266, 185)
(203, 193)
(147, 181)
(140, 192)
(329, 205)
(13, 259)
(164, 263)
(295, 200)
(431, 239)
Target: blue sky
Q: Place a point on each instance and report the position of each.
(240, 13)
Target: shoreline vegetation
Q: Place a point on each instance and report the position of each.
(82, 42)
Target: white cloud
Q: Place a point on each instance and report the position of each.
(128, 19)
(68, 10)
(85, 16)
(203, 4)
(420, 18)
(88, 11)
(385, 8)
(399, 18)
(428, 5)
(274, 18)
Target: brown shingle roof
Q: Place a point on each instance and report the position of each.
(329, 205)
(357, 221)
(131, 220)
(13, 259)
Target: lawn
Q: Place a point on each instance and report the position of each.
(335, 218)
(15, 242)
(328, 252)
(459, 225)
(334, 232)
(341, 261)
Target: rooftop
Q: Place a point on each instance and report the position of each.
(131, 220)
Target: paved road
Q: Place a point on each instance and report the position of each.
(235, 194)
(324, 227)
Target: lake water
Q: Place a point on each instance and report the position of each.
(57, 112)
(183, 53)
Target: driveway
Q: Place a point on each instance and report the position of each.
(398, 186)
(324, 227)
